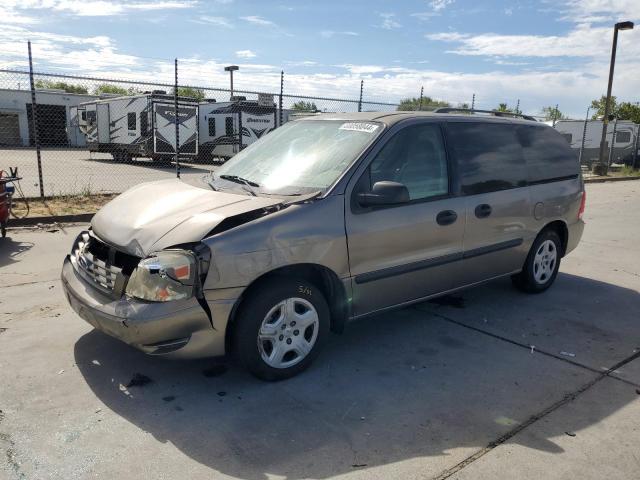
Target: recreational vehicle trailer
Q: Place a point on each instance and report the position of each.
(624, 148)
(140, 126)
(220, 125)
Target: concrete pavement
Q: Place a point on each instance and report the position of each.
(451, 389)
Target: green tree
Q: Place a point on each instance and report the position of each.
(305, 106)
(191, 92)
(503, 107)
(67, 87)
(428, 103)
(621, 111)
(629, 111)
(597, 106)
(551, 113)
(108, 88)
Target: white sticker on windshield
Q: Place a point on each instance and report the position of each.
(359, 127)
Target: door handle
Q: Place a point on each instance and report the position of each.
(483, 210)
(446, 217)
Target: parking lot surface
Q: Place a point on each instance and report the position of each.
(490, 383)
(75, 171)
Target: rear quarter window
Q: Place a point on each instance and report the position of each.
(547, 154)
(488, 156)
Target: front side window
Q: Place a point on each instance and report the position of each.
(488, 156)
(415, 157)
(131, 120)
(211, 123)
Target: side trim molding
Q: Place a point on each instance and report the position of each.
(434, 262)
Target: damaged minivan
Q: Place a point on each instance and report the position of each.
(326, 219)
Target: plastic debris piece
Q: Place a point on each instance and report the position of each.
(568, 354)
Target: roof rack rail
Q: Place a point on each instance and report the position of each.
(491, 112)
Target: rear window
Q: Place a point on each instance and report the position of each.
(131, 120)
(547, 154)
(488, 156)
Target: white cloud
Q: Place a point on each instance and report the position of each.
(599, 10)
(331, 33)
(258, 20)
(582, 41)
(217, 21)
(100, 8)
(245, 54)
(388, 21)
(438, 5)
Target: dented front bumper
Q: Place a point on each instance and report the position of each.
(179, 329)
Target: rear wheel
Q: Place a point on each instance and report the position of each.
(542, 264)
(281, 327)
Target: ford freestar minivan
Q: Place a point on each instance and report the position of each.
(326, 219)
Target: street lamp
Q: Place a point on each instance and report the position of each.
(605, 120)
(231, 69)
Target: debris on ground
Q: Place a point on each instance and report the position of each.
(533, 347)
(449, 301)
(61, 372)
(214, 371)
(568, 354)
(222, 394)
(169, 398)
(98, 410)
(359, 465)
(138, 380)
(571, 434)
(3, 329)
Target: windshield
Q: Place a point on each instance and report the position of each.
(299, 157)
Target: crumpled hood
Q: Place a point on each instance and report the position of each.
(156, 215)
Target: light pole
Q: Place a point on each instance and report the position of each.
(605, 120)
(231, 69)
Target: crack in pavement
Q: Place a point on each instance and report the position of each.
(30, 283)
(529, 347)
(567, 398)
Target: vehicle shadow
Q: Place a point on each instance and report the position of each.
(397, 386)
(10, 249)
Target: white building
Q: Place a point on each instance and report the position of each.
(54, 118)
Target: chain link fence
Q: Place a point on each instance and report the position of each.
(79, 135)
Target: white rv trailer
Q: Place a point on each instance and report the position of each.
(140, 126)
(220, 125)
(624, 148)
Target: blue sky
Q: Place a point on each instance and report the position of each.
(541, 52)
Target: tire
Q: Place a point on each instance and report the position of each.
(542, 264)
(266, 340)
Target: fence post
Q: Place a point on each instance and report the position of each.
(584, 134)
(360, 101)
(34, 121)
(613, 141)
(421, 95)
(177, 119)
(473, 101)
(281, 92)
(634, 165)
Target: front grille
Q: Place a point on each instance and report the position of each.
(101, 265)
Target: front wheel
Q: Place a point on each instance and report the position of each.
(542, 264)
(281, 327)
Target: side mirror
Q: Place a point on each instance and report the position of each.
(384, 193)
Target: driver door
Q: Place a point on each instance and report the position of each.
(403, 252)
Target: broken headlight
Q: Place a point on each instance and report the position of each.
(164, 276)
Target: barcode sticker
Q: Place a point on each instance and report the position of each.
(359, 127)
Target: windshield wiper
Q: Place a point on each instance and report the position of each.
(243, 181)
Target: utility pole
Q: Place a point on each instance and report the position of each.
(607, 104)
(177, 118)
(360, 101)
(473, 101)
(281, 93)
(421, 94)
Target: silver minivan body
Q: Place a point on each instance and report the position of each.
(365, 260)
